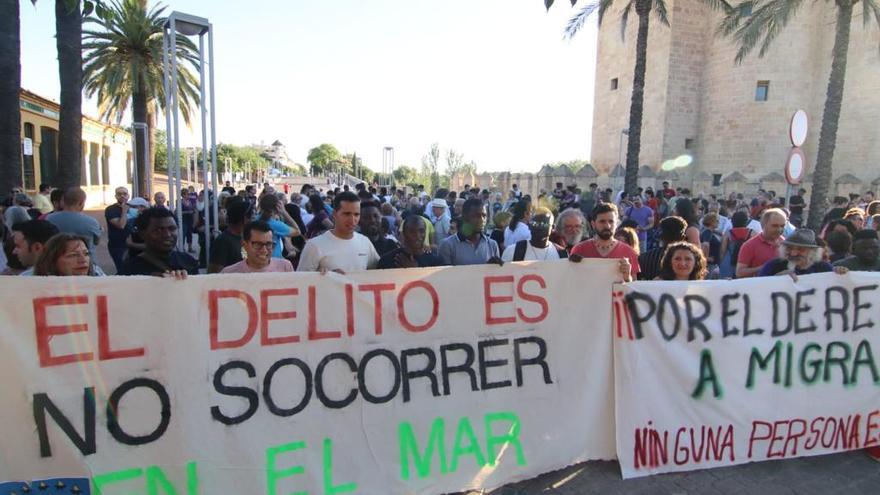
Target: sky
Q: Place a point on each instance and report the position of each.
(492, 79)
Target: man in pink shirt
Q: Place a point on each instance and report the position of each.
(603, 244)
(258, 243)
(762, 248)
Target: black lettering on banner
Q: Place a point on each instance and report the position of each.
(864, 357)
(778, 298)
(800, 308)
(362, 376)
(426, 372)
(319, 381)
(246, 393)
(839, 361)
(696, 322)
(267, 387)
(668, 300)
(639, 319)
(840, 310)
(86, 443)
(540, 360)
(857, 307)
(113, 412)
(466, 367)
(485, 364)
(726, 312)
(747, 315)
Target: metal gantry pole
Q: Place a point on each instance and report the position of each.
(207, 193)
(172, 190)
(213, 127)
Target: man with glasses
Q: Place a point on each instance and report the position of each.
(258, 244)
(570, 229)
(539, 247)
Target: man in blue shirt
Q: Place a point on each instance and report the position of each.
(470, 246)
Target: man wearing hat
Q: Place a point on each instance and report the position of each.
(799, 255)
(441, 224)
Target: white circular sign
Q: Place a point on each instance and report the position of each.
(798, 128)
(795, 166)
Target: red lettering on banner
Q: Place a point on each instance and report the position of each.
(490, 300)
(105, 353)
(349, 309)
(314, 333)
(752, 436)
(213, 297)
(45, 332)
(401, 310)
(540, 301)
(266, 317)
(377, 290)
(871, 425)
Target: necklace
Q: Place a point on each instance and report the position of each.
(535, 253)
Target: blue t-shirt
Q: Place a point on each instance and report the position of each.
(280, 230)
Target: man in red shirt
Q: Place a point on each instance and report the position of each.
(603, 244)
(762, 248)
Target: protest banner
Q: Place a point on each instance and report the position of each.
(719, 373)
(384, 382)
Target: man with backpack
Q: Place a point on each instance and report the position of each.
(539, 247)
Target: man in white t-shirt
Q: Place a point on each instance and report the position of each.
(539, 247)
(258, 242)
(340, 249)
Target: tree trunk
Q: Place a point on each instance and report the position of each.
(10, 87)
(637, 103)
(831, 116)
(139, 114)
(68, 28)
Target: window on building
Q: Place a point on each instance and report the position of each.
(688, 143)
(94, 165)
(614, 84)
(128, 167)
(105, 164)
(48, 155)
(84, 173)
(27, 161)
(716, 180)
(762, 91)
(745, 9)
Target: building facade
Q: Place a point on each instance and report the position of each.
(107, 150)
(733, 119)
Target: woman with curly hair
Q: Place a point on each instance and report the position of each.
(66, 255)
(682, 261)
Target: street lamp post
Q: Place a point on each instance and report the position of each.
(388, 163)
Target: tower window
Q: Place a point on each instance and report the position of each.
(614, 84)
(762, 91)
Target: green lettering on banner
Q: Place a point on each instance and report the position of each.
(329, 489)
(408, 445)
(473, 448)
(102, 480)
(707, 375)
(864, 357)
(763, 362)
(273, 474)
(509, 438)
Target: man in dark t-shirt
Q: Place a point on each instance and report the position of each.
(118, 227)
(412, 254)
(226, 248)
(160, 257)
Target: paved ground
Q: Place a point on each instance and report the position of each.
(850, 473)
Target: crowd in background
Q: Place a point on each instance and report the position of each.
(663, 234)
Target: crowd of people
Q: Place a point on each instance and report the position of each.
(656, 235)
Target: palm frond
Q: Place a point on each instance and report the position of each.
(662, 14)
(870, 8)
(624, 18)
(761, 28)
(719, 5)
(577, 21)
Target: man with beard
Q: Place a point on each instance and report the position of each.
(603, 244)
(539, 247)
(412, 253)
(160, 257)
(370, 225)
(799, 255)
(865, 253)
(570, 229)
(470, 245)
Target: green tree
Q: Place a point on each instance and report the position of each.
(10, 86)
(123, 66)
(321, 156)
(405, 175)
(752, 24)
(643, 9)
(431, 168)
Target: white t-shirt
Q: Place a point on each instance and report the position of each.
(521, 233)
(532, 253)
(328, 252)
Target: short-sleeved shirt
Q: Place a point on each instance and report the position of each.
(531, 253)
(757, 251)
(328, 252)
(226, 249)
(587, 249)
(641, 217)
(520, 233)
(280, 230)
(74, 222)
(458, 250)
(115, 236)
(777, 265)
(384, 246)
(147, 265)
(389, 260)
(276, 265)
(855, 264)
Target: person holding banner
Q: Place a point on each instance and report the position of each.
(258, 242)
(604, 245)
(412, 252)
(865, 255)
(160, 257)
(800, 255)
(538, 247)
(470, 245)
(682, 261)
(66, 255)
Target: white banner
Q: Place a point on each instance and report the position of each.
(719, 373)
(402, 381)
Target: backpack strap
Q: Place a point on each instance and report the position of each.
(519, 250)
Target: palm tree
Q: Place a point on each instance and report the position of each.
(68, 28)
(124, 67)
(643, 9)
(10, 86)
(752, 24)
